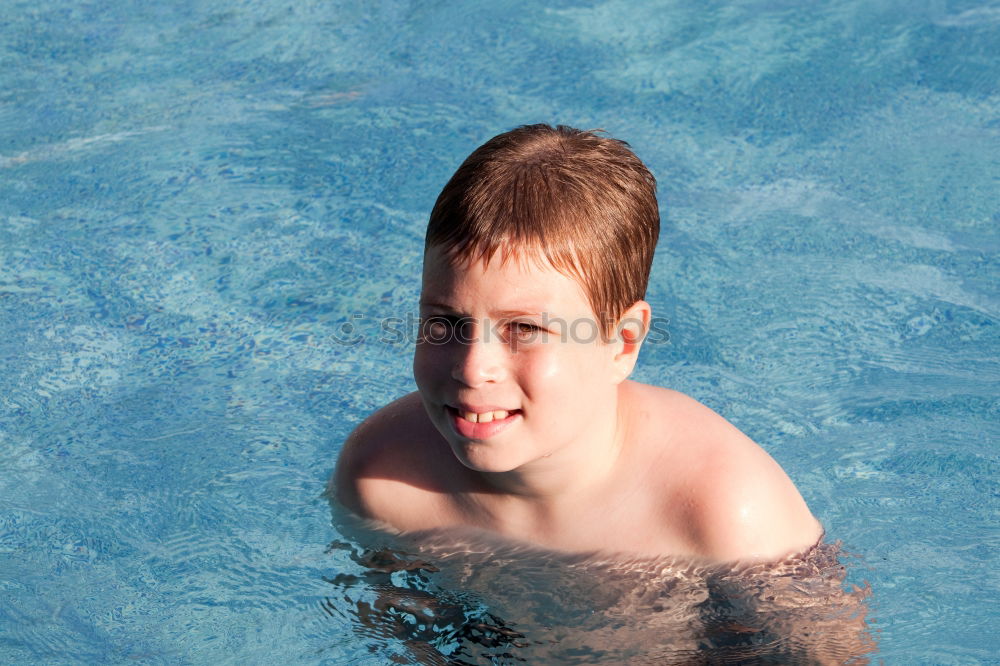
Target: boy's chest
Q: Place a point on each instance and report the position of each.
(641, 512)
(630, 521)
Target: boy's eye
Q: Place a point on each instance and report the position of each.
(524, 330)
(437, 329)
(446, 328)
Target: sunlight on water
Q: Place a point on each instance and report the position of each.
(197, 198)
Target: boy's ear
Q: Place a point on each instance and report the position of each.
(630, 331)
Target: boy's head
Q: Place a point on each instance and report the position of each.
(584, 203)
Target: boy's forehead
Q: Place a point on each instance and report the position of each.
(529, 265)
(522, 261)
(534, 277)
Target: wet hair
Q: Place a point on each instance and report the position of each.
(580, 201)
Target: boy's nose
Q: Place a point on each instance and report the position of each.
(478, 362)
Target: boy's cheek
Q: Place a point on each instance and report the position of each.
(564, 365)
(424, 365)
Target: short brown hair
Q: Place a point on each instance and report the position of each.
(582, 201)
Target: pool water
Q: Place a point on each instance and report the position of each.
(208, 211)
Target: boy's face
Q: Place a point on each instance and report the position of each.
(511, 363)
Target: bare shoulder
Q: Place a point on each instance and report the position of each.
(737, 503)
(389, 468)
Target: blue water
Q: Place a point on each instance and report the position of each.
(206, 209)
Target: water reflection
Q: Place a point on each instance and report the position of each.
(464, 597)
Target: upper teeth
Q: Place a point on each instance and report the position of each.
(485, 417)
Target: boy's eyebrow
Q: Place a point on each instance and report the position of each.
(501, 314)
(439, 306)
(508, 314)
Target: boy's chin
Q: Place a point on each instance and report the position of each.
(484, 462)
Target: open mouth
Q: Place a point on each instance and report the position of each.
(484, 417)
(481, 425)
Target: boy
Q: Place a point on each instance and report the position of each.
(536, 260)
